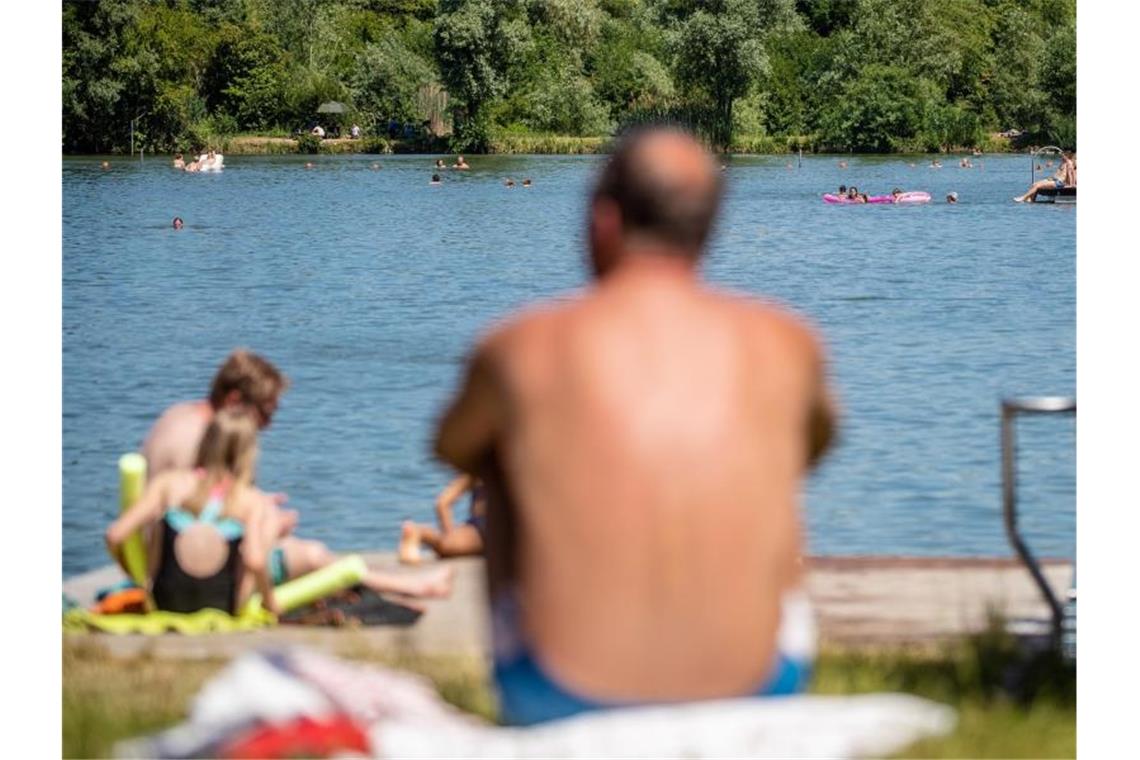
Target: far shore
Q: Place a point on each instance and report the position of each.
(527, 144)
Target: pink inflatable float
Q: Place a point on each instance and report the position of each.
(917, 196)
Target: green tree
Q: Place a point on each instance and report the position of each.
(95, 108)
(385, 81)
(877, 112)
(477, 43)
(1014, 87)
(719, 54)
(246, 78)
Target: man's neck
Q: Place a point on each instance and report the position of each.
(653, 263)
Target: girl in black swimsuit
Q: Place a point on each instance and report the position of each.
(213, 530)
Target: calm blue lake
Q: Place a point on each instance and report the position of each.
(367, 287)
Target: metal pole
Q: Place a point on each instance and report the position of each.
(1009, 410)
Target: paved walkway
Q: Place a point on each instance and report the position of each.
(859, 601)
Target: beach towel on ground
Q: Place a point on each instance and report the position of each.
(159, 622)
(403, 717)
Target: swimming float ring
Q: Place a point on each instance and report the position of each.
(216, 166)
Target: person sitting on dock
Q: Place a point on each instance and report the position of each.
(643, 446)
(1065, 176)
(217, 536)
(450, 540)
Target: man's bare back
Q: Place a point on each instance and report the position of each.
(172, 443)
(650, 439)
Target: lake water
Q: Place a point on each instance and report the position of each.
(367, 288)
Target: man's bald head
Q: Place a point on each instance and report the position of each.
(665, 186)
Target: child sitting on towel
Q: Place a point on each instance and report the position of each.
(216, 536)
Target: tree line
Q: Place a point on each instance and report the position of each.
(835, 75)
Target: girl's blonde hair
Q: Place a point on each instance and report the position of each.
(228, 452)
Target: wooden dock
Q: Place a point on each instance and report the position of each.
(859, 601)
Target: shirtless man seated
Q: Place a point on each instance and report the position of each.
(643, 447)
(1065, 176)
(244, 380)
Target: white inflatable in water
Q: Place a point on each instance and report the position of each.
(206, 165)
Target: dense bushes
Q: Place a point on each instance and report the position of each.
(863, 75)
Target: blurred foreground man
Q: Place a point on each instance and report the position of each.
(643, 446)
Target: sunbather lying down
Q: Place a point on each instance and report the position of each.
(217, 538)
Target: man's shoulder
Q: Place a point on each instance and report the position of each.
(181, 411)
(531, 323)
(768, 315)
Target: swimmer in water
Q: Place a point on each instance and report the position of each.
(375, 166)
(439, 164)
(193, 166)
(309, 164)
(179, 162)
(854, 196)
(526, 183)
(895, 195)
(935, 164)
(509, 182)
(842, 190)
(435, 180)
(952, 198)
(842, 164)
(105, 165)
(177, 223)
(460, 163)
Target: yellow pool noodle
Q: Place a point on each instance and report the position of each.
(132, 480)
(344, 573)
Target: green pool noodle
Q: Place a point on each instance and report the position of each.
(132, 480)
(344, 573)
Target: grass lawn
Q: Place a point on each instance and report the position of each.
(1007, 706)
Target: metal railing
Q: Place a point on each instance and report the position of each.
(1010, 408)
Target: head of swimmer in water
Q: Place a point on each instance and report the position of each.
(177, 223)
(228, 449)
(896, 193)
(657, 195)
(439, 164)
(852, 191)
(842, 189)
(248, 381)
(435, 180)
